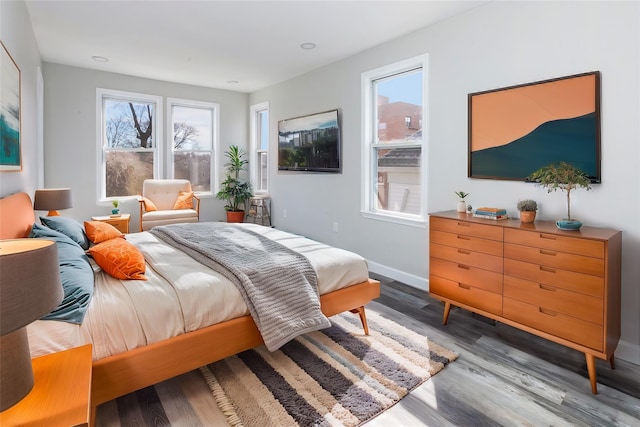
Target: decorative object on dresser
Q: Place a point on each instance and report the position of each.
(234, 190)
(564, 287)
(527, 210)
(491, 213)
(565, 177)
(462, 205)
(52, 200)
(26, 294)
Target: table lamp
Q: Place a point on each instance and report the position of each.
(30, 287)
(52, 200)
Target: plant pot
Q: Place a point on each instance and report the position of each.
(571, 225)
(462, 206)
(235, 216)
(115, 211)
(527, 216)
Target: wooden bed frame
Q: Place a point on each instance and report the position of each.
(126, 372)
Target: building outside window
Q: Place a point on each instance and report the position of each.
(129, 138)
(394, 184)
(194, 130)
(259, 123)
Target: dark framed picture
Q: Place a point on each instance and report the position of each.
(514, 131)
(10, 152)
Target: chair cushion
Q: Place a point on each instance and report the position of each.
(184, 200)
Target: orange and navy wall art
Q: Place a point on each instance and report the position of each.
(516, 130)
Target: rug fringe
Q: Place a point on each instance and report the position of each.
(221, 398)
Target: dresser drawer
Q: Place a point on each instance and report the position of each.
(466, 274)
(582, 306)
(554, 323)
(569, 280)
(491, 247)
(466, 257)
(556, 259)
(574, 245)
(466, 228)
(468, 295)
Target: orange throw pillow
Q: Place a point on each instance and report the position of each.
(98, 231)
(149, 206)
(120, 259)
(184, 201)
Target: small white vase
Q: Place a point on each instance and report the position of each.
(462, 206)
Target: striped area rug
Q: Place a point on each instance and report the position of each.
(337, 376)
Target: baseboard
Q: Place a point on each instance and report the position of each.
(628, 352)
(406, 278)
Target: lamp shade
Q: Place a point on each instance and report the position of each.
(30, 287)
(52, 200)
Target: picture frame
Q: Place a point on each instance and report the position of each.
(514, 131)
(10, 109)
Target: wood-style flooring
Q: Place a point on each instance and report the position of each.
(502, 377)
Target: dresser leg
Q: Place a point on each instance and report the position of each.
(612, 362)
(447, 309)
(591, 367)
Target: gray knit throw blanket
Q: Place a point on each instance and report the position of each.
(278, 284)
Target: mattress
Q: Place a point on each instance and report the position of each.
(180, 295)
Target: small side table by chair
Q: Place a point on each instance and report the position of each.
(259, 210)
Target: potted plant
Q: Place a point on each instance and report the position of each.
(115, 210)
(527, 210)
(565, 177)
(462, 205)
(234, 190)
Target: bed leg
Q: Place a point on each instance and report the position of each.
(363, 318)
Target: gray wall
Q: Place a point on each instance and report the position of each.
(70, 147)
(495, 45)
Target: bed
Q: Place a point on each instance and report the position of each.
(164, 329)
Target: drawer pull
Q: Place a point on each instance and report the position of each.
(547, 236)
(547, 312)
(547, 288)
(463, 237)
(464, 267)
(464, 224)
(547, 269)
(463, 252)
(543, 252)
(467, 287)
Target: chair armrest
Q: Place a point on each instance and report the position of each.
(197, 203)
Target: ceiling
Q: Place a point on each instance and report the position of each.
(236, 45)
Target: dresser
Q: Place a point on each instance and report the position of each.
(560, 285)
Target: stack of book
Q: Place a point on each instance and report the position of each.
(491, 213)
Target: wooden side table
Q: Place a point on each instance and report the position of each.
(120, 222)
(61, 393)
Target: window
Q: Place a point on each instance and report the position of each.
(194, 132)
(129, 137)
(394, 163)
(260, 147)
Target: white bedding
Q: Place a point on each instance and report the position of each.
(181, 295)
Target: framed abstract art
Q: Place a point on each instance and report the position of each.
(514, 131)
(10, 150)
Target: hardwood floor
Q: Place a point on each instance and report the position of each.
(503, 376)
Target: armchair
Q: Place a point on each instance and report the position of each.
(167, 201)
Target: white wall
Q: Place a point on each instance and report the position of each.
(494, 45)
(70, 146)
(17, 35)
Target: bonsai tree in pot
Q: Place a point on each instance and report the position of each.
(234, 190)
(527, 210)
(565, 177)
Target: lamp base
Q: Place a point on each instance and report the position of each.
(53, 213)
(16, 372)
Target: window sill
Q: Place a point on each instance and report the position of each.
(410, 221)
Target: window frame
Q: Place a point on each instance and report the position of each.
(157, 120)
(255, 146)
(215, 135)
(370, 146)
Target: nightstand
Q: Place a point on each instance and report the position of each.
(120, 222)
(60, 394)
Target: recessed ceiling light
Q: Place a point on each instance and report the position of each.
(99, 58)
(308, 46)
